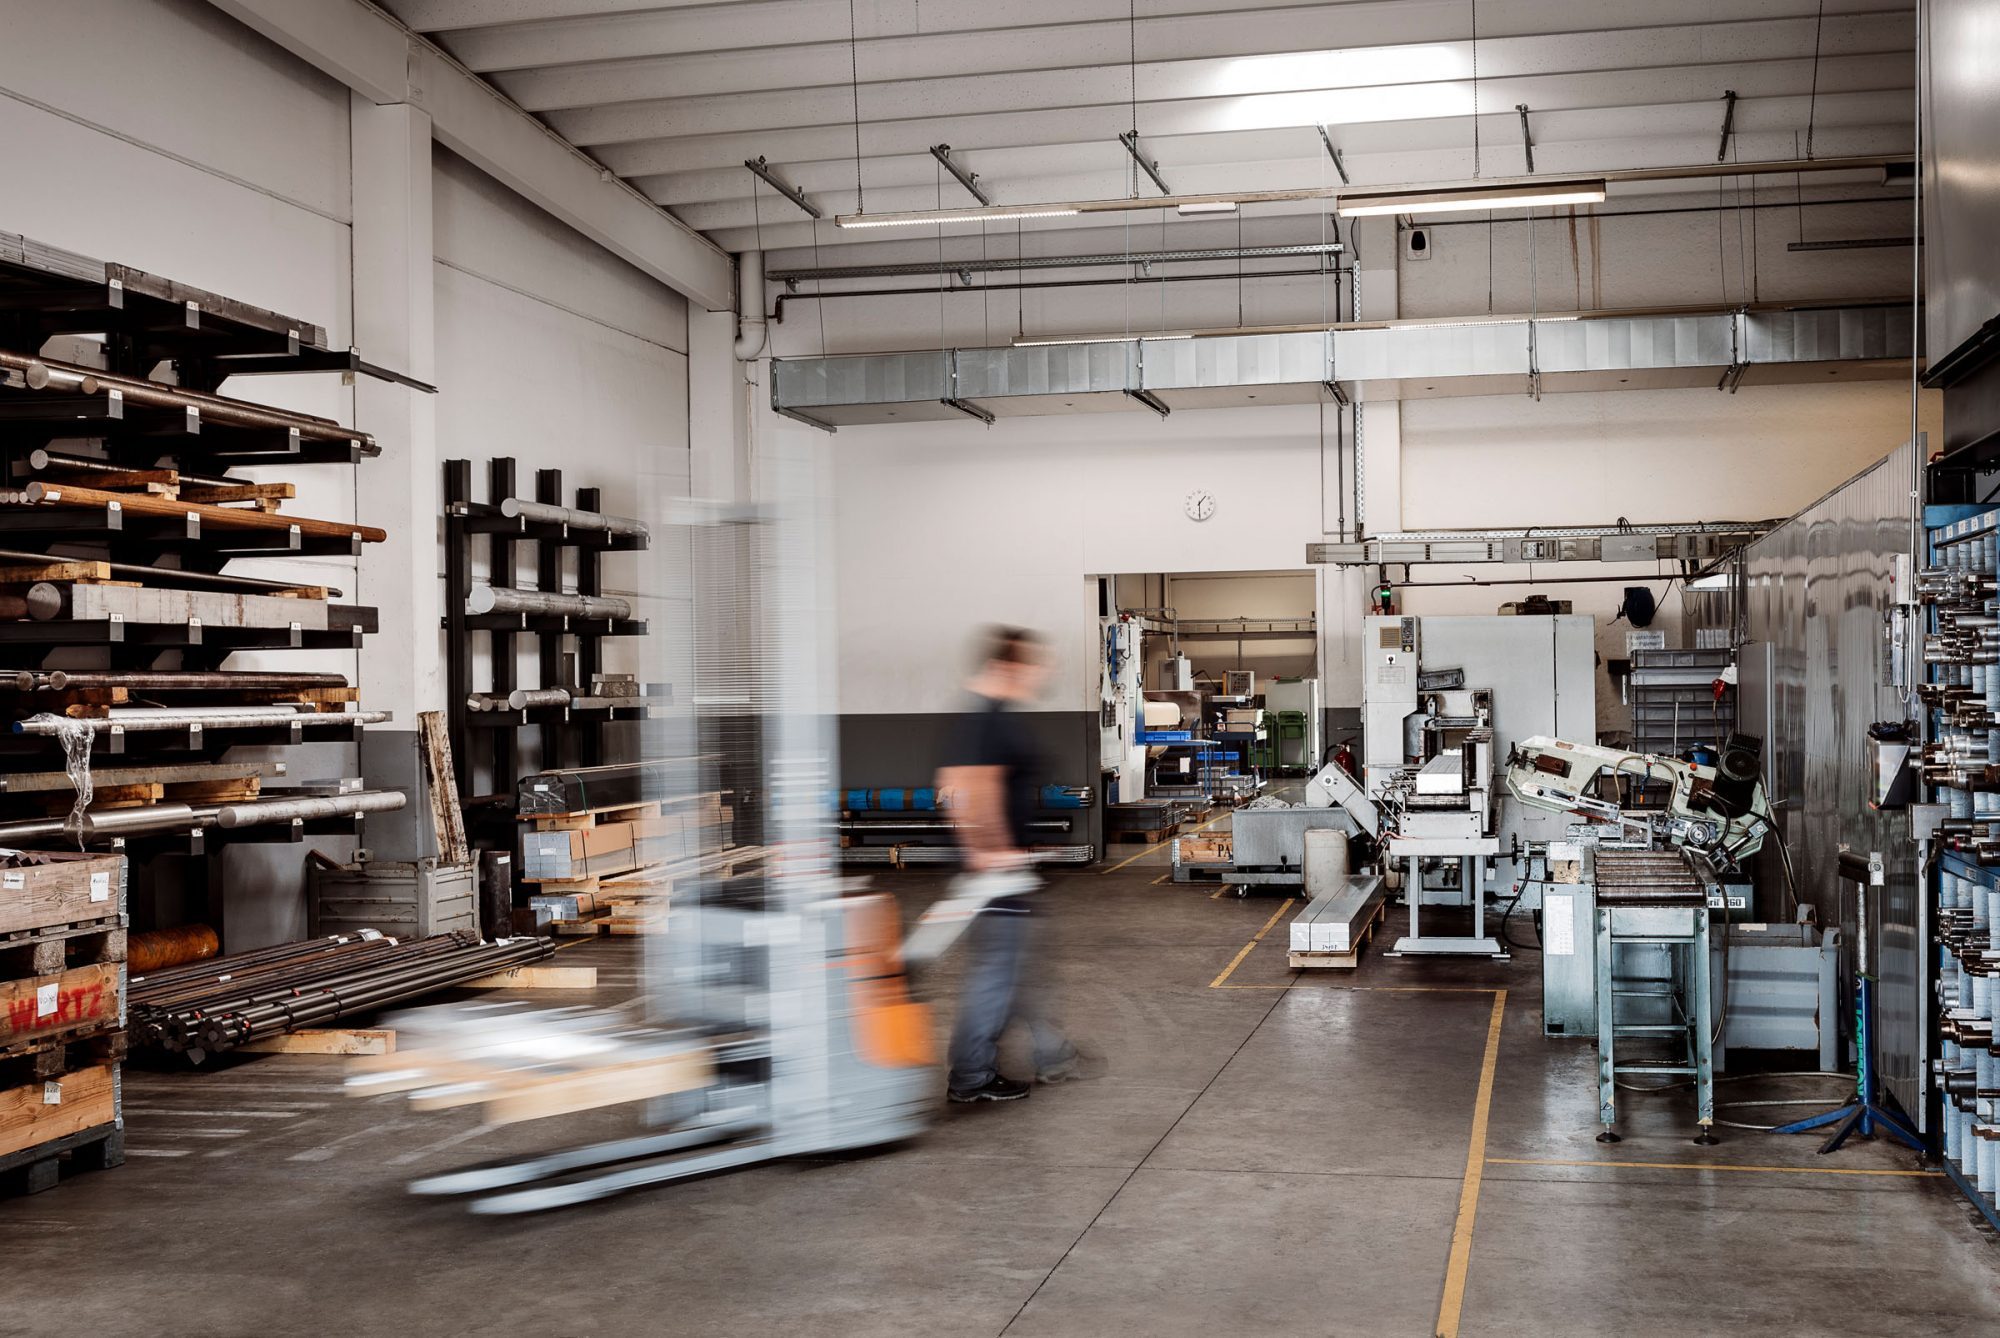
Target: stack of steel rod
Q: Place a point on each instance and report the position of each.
(214, 1005)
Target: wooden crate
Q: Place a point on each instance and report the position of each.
(37, 1113)
(64, 983)
(48, 889)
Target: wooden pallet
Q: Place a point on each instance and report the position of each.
(1342, 961)
(1204, 871)
(34, 1169)
(325, 1041)
(1150, 836)
(59, 987)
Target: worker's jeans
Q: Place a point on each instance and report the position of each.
(1000, 987)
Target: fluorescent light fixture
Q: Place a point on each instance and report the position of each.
(1044, 341)
(1515, 195)
(953, 216)
(1186, 204)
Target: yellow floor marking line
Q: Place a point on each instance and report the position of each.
(1237, 960)
(1161, 879)
(1453, 1303)
(1161, 846)
(1218, 892)
(1697, 1166)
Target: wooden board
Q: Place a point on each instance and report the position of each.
(166, 773)
(76, 570)
(67, 890)
(38, 1112)
(537, 978)
(325, 1041)
(64, 1003)
(237, 492)
(211, 517)
(441, 779)
(510, 1096)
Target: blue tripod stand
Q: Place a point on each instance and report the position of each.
(1864, 1113)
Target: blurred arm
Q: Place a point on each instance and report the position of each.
(978, 805)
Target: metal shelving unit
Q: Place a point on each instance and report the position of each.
(569, 648)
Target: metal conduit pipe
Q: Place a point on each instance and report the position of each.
(1136, 280)
(752, 331)
(547, 514)
(182, 680)
(501, 599)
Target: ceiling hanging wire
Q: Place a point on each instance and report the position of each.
(854, 87)
(1475, 89)
(1812, 100)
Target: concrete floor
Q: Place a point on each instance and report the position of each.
(1279, 1154)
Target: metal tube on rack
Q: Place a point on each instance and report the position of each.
(177, 680)
(501, 599)
(43, 374)
(517, 508)
(520, 699)
(173, 576)
(263, 811)
(146, 719)
(485, 701)
(41, 459)
(107, 822)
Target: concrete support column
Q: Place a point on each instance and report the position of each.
(402, 664)
(1379, 456)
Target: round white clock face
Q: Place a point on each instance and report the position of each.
(1200, 504)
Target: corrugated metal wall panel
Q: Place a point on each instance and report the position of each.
(1818, 589)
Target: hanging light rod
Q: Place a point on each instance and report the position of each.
(1439, 197)
(777, 183)
(969, 180)
(1130, 139)
(1334, 154)
(1520, 195)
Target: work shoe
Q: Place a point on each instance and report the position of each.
(997, 1088)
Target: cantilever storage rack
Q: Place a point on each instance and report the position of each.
(562, 706)
(118, 515)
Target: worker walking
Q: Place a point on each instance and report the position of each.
(991, 773)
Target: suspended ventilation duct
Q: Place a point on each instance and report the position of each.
(1401, 360)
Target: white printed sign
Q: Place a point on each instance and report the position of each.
(1558, 924)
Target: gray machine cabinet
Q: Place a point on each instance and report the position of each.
(395, 897)
(1267, 845)
(1569, 959)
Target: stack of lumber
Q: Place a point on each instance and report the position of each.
(62, 1014)
(612, 867)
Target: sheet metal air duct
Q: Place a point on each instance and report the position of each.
(1394, 360)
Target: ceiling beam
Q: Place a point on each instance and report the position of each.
(371, 53)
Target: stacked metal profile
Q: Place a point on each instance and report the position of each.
(1962, 650)
(218, 1004)
(120, 508)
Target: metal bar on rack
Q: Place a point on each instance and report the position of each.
(46, 374)
(501, 599)
(549, 514)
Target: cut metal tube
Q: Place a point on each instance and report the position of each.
(548, 514)
(41, 459)
(260, 812)
(145, 718)
(44, 374)
(501, 599)
(132, 821)
(200, 580)
(520, 699)
(186, 680)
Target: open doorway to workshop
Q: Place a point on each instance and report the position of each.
(1211, 688)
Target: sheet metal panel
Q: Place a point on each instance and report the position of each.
(1818, 589)
(1961, 186)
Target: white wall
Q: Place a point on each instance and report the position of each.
(161, 134)
(557, 353)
